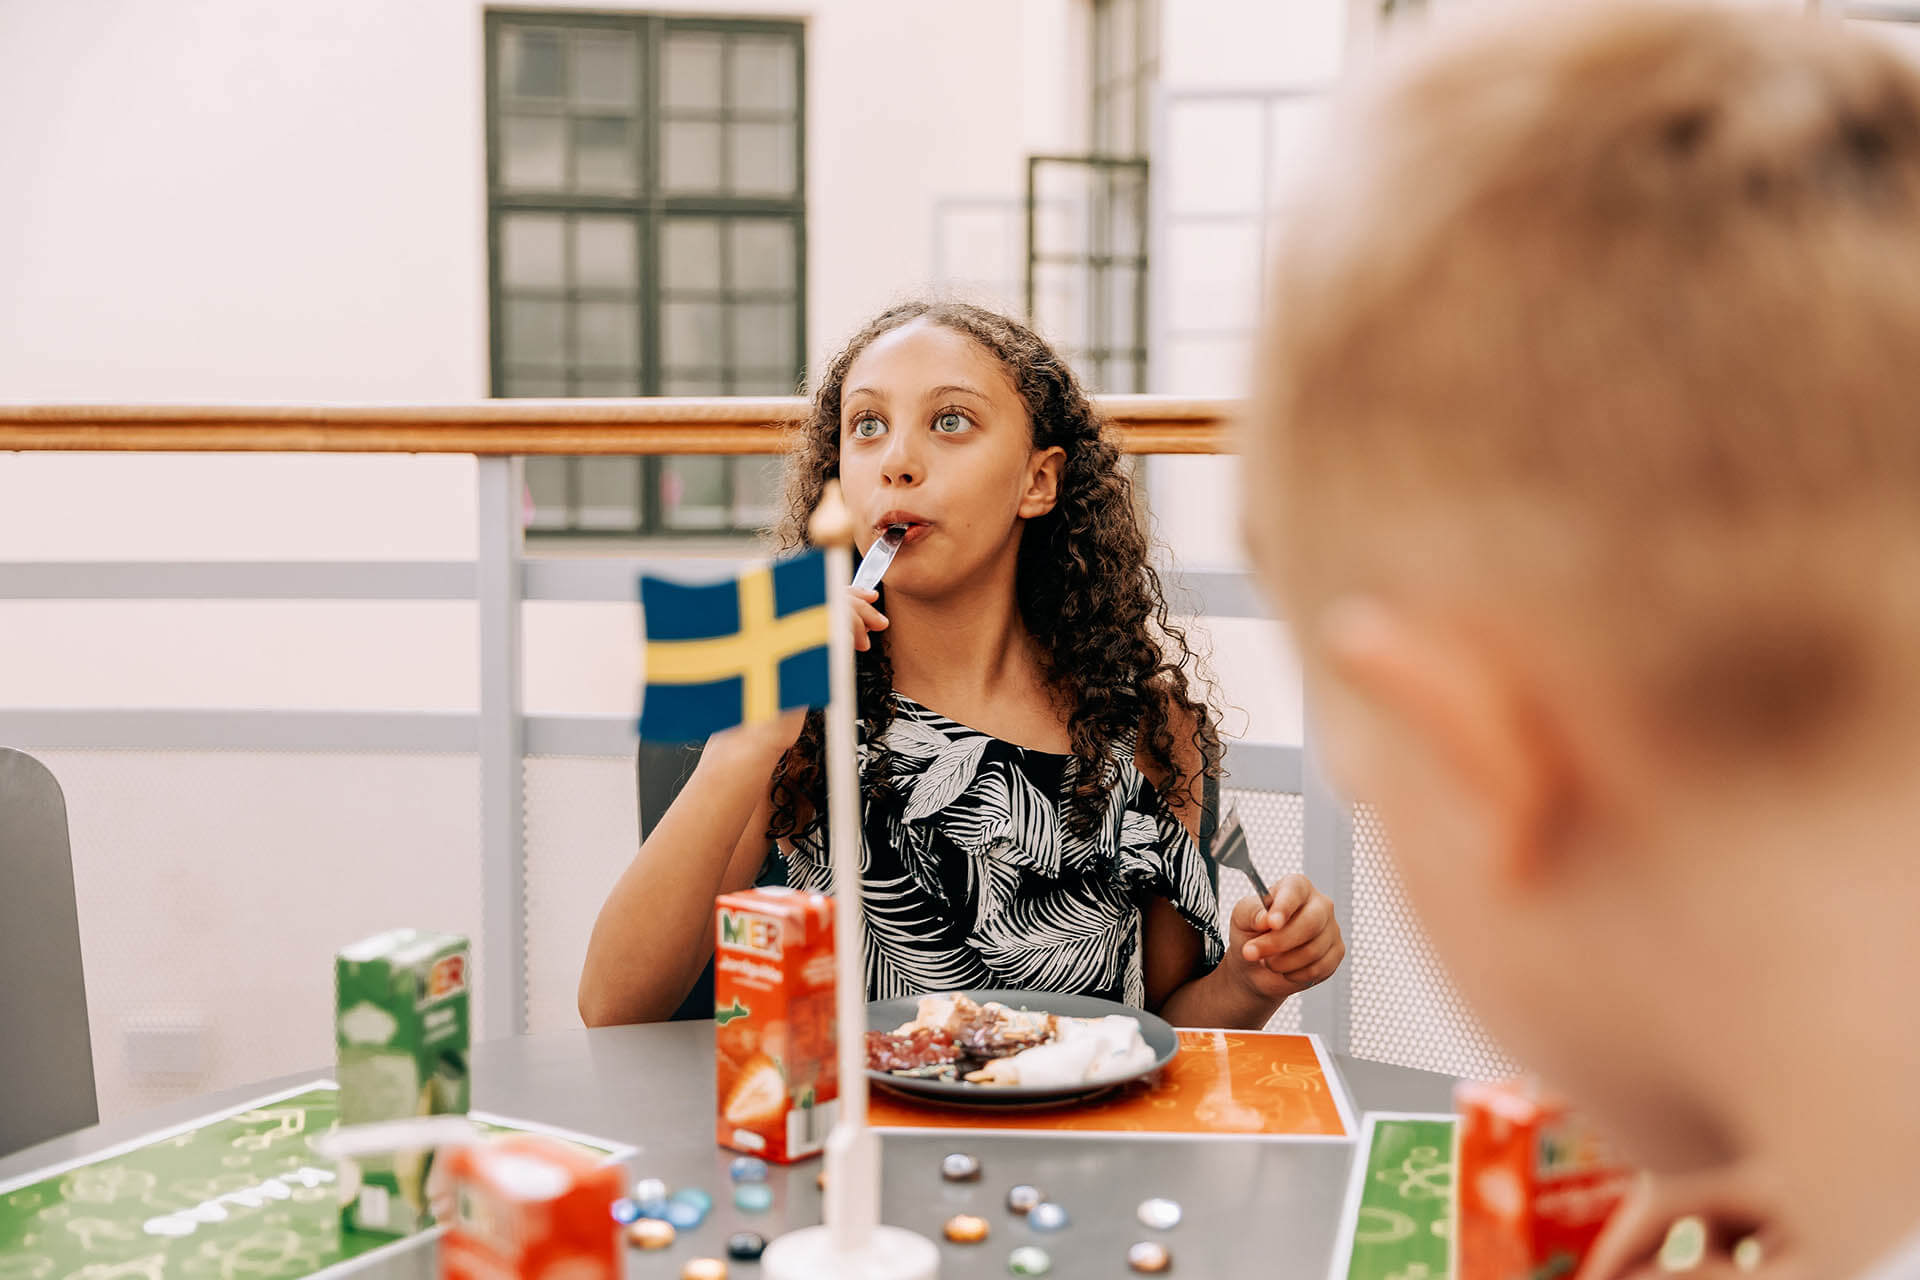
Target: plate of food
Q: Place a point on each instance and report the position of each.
(1011, 1048)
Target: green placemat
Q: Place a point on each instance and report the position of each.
(234, 1196)
(1399, 1215)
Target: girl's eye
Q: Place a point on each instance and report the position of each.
(867, 428)
(951, 423)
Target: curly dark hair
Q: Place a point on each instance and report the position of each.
(1087, 593)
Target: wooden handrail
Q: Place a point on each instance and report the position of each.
(1144, 424)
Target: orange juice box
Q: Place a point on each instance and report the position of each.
(1536, 1183)
(527, 1207)
(773, 1020)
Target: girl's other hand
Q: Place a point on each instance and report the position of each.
(867, 618)
(1289, 942)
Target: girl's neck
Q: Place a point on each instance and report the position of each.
(964, 648)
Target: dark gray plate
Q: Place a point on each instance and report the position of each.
(885, 1015)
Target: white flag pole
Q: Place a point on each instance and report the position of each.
(853, 1245)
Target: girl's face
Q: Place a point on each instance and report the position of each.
(934, 435)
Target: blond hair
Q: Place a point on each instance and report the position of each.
(1618, 306)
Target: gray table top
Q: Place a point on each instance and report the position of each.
(1251, 1206)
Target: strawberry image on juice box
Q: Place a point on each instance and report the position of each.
(1536, 1183)
(773, 993)
(530, 1208)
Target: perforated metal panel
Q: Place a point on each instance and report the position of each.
(1273, 822)
(1405, 1009)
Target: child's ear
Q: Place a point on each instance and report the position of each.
(1044, 470)
(1439, 728)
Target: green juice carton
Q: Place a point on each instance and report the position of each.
(402, 1029)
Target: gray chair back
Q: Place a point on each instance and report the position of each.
(46, 1049)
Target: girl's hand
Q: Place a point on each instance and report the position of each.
(1280, 947)
(866, 617)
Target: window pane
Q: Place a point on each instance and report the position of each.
(603, 154)
(605, 70)
(765, 382)
(756, 491)
(609, 493)
(693, 71)
(690, 253)
(763, 256)
(598, 386)
(693, 493)
(1060, 303)
(607, 335)
(535, 384)
(690, 156)
(533, 152)
(536, 332)
(681, 384)
(531, 253)
(547, 484)
(530, 63)
(765, 74)
(763, 335)
(1121, 331)
(762, 159)
(604, 252)
(1126, 213)
(690, 334)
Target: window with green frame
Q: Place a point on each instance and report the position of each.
(647, 231)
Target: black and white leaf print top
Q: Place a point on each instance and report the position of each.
(972, 878)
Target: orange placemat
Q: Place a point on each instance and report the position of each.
(1222, 1084)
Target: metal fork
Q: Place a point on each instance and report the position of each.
(1230, 849)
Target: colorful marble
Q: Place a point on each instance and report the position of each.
(1022, 1198)
(1149, 1257)
(1685, 1247)
(748, 1169)
(1029, 1261)
(747, 1246)
(1161, 1215)
(704, 1269)
(693, 1196)
(753, 1197)
(960, 1167)
(625, 1211)
(684, 1214)
(651, 1233)
(964, 1228)
(1048, 1216)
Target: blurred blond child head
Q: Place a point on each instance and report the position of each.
(1586, 459)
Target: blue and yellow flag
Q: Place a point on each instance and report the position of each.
(723, 653)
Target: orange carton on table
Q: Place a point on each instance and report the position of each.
(528, 1207)
(1536, 1183)
(773, 1022)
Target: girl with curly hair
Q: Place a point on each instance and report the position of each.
(1032, 757)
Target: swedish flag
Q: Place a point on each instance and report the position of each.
(723, 653)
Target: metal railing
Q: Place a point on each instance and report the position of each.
(500, 579)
